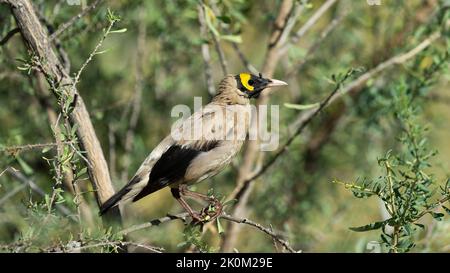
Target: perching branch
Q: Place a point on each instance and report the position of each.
(184, 216)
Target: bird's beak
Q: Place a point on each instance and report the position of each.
(275, 83)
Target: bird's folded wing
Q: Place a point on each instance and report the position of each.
(202, 132)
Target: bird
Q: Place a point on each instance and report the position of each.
(199, 147)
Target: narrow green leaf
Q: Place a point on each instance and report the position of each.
(46, 149)
(230, 202)
(225, 19)
(371, 226)
(219, 227)
(25, 167)
(301, 106)
(122, 30)
(210, 19)
(232, 38)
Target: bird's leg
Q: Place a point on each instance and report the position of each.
(176, 194)
(214, 208)
(184, 191)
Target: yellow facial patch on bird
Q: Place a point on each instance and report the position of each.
(245, 78)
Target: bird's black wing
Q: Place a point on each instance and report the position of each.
(172, 165)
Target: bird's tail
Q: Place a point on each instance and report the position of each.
(113, 200)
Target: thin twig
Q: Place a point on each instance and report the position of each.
(9, 35)
(205, 52)
(306, 118)
(21, 148)
(119, 244)
(244, 59)
(12, 193)
(181, 216)
(94, 52)
(237, 193)
(137, 96)
(311, 49)
(260, 227)
(308, 25)
(22, 178)
(222, 59)
(73, 20)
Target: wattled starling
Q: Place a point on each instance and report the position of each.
(199, 147)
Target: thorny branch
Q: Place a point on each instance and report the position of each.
(74, 19)
(22, 178)
(22, 148)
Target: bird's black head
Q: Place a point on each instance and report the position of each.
(253, 85)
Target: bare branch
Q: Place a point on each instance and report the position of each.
(311, 49)
(12, 193)
(137, 96)
(308, 25)
(9, 35)
(205, 52)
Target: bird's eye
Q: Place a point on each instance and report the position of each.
(246, 81)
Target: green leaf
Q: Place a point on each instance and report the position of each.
(25, 167)
(219, 227)
(46, 149)
(232, 38)
(371, 226)
(230, 202)
(301, 106)
(101, 52)
(225, 19)
(122, 30)
(210, 19)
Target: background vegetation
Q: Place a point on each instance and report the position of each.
(384, 139)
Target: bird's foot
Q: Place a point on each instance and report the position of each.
(197, 218)
(213, 210)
